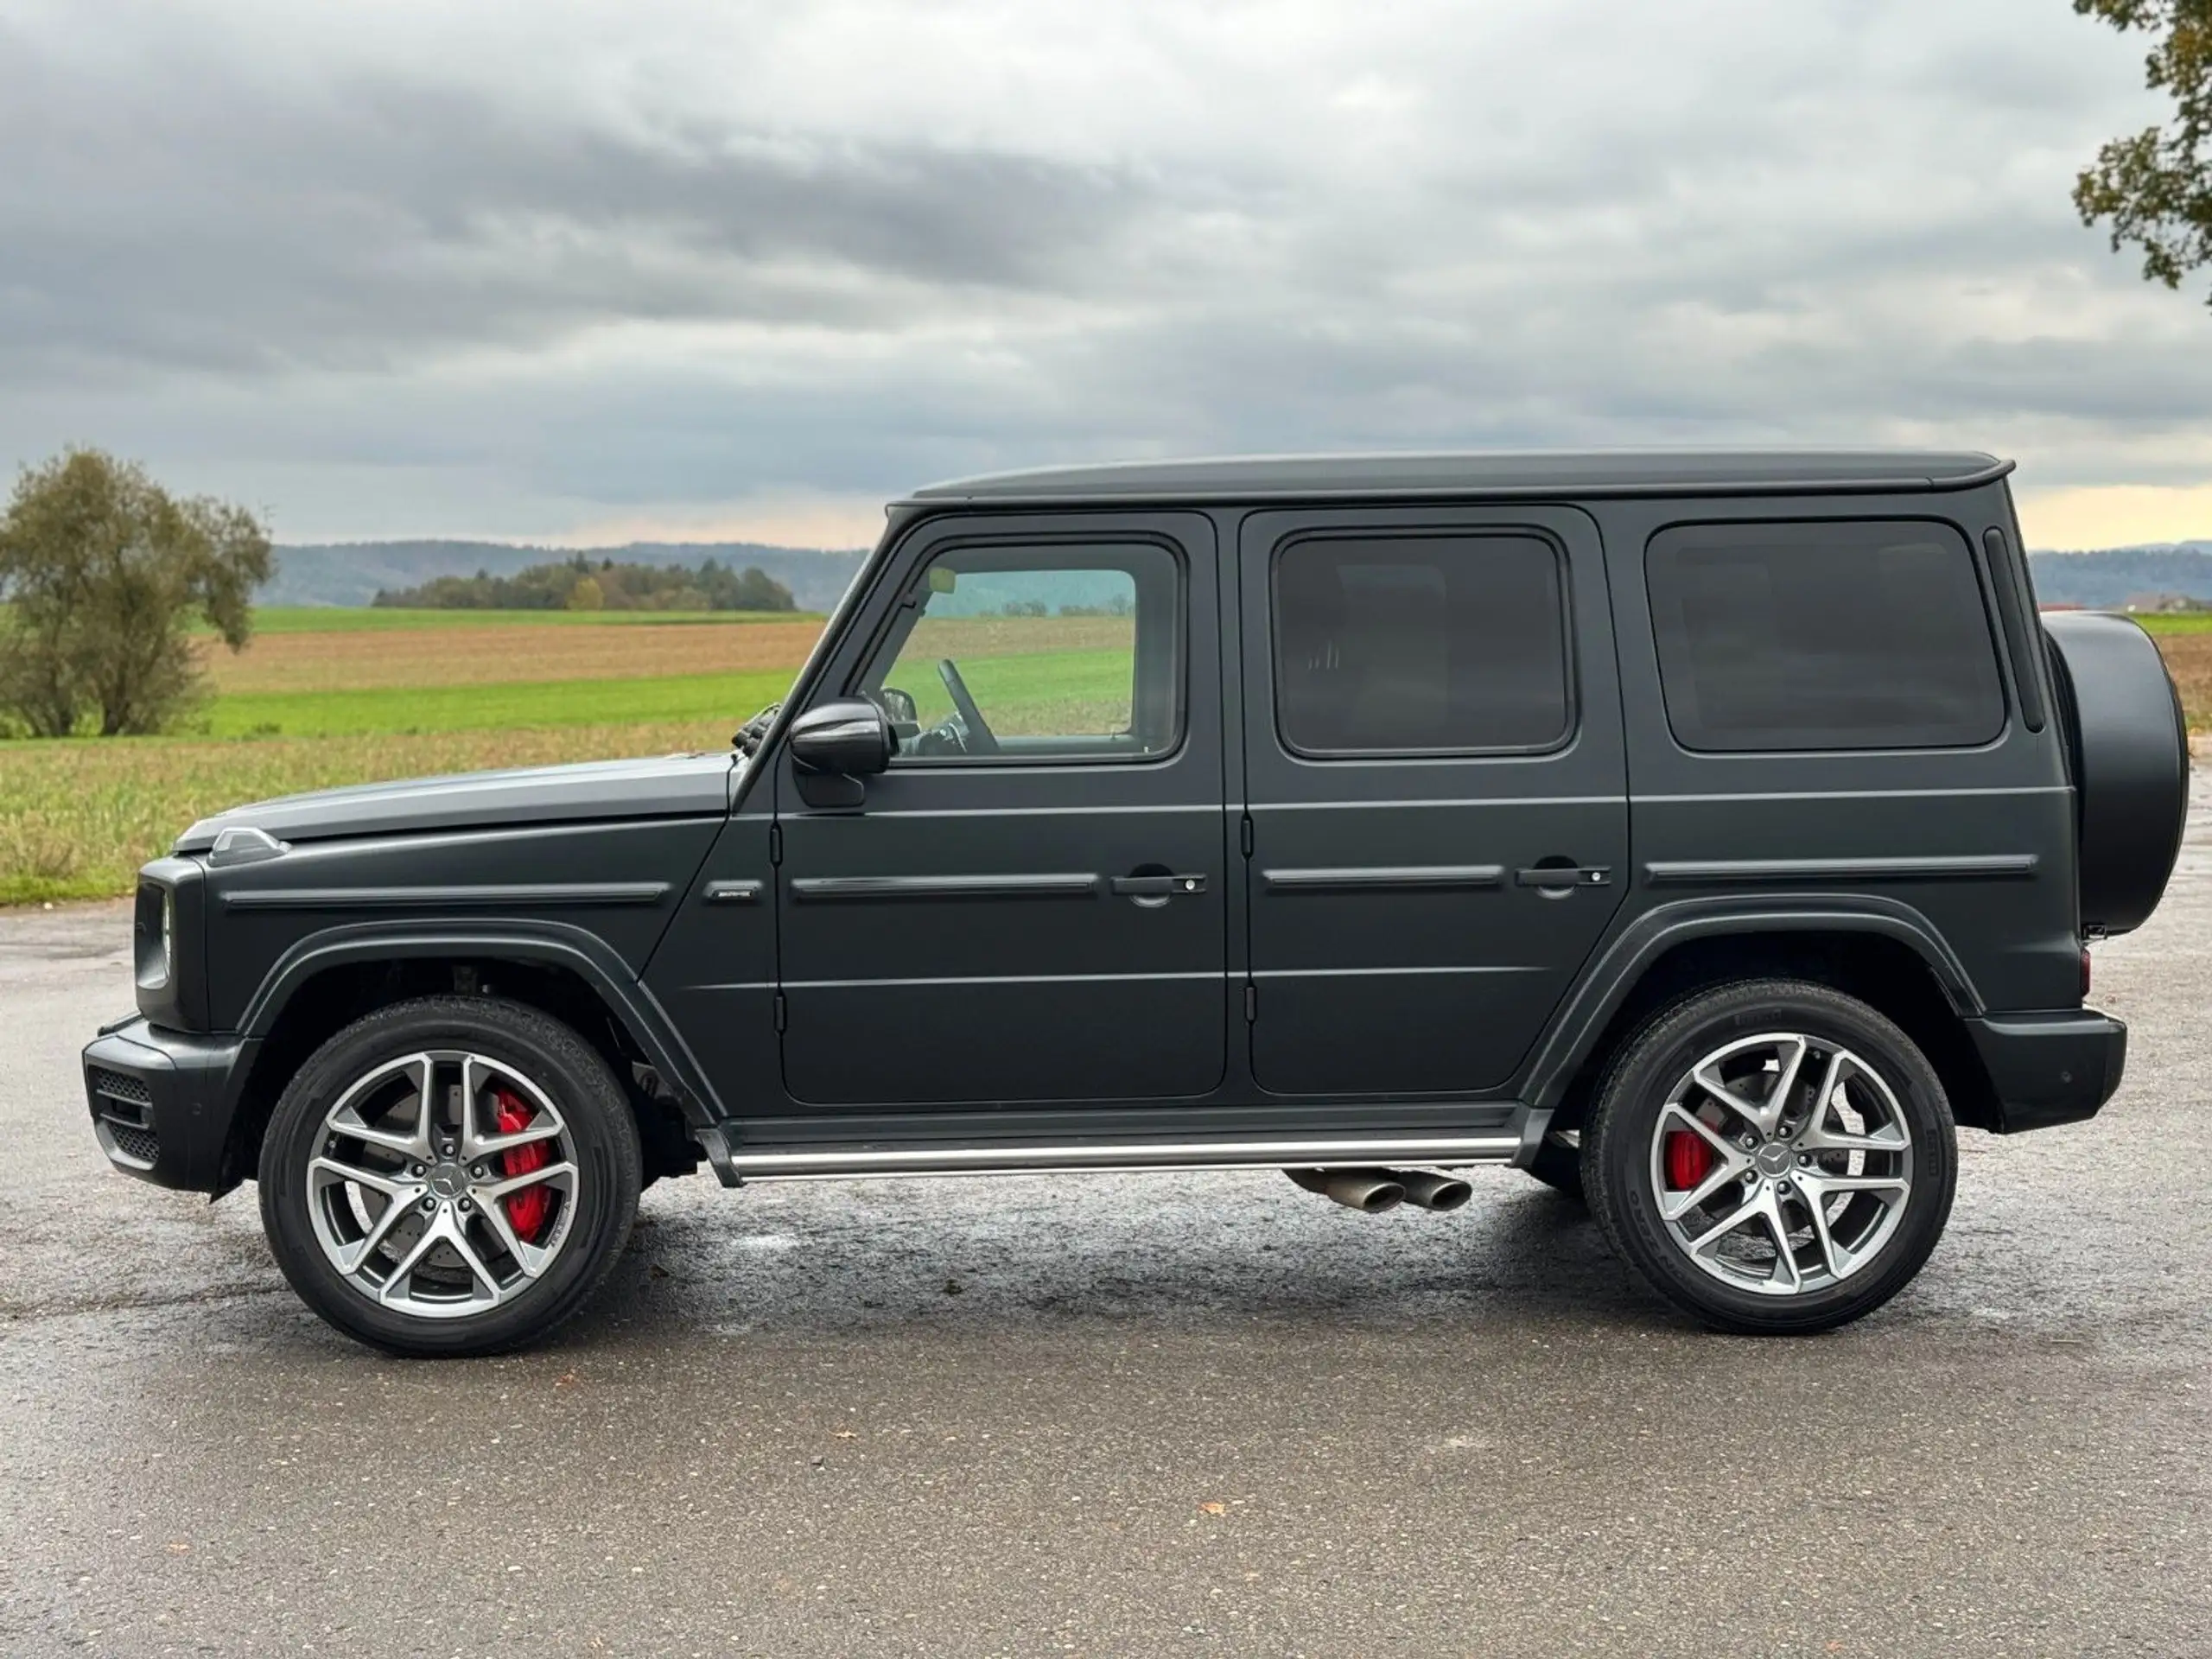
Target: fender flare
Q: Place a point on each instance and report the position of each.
(1616, 970)
(556, 943)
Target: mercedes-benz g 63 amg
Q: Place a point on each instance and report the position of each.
(1706, 835)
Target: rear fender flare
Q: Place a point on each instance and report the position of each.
(1613, 977)
(555, 944)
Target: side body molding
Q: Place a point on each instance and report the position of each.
(555, 944)
(1613, 973)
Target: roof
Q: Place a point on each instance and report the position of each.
(1594, 472)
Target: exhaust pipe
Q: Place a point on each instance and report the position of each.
(1431, 1191)
(1370, 1191)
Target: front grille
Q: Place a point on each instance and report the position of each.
(140, 1145)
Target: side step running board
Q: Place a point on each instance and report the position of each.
(739, 1164)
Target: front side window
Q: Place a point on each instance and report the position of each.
(1421, 645)
(1822, 636)
(1036, 653)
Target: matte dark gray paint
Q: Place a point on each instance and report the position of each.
(1560, 475)
(851, 887)
(677, 786)
(1416, 878)
(542, 895)
(1009, 956)
(1729, 872)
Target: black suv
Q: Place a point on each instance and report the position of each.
(1704, 834)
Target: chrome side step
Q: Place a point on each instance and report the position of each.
(737, 1166)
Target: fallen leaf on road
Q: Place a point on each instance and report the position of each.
(1213, 1509)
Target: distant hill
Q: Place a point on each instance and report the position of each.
(350, 573)
(2118, 574)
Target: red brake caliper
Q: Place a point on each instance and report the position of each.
(526, 1208)
(1689, 1160)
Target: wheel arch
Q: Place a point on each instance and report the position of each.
(1886, 954)
(330, 979)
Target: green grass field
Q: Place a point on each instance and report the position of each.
(512, 706)
(333, 619)
(335, 696)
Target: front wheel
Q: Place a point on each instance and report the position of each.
(1773, 1157)
(450, 1176)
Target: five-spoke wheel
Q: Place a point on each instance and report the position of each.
(451, 1175)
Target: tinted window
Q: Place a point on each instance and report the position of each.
(1060, 652)
(1848, 635)
(1420, 645)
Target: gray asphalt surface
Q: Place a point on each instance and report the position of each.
(1119, 1416)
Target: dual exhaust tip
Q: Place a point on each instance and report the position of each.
(1371, 1192)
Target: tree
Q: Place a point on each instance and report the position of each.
(102, 570)
(2156, 186)
(578, 584)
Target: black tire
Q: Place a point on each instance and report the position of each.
(1558, 1165)
(599, 1123)
(1617, 1150)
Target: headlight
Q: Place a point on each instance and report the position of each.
(169, 934)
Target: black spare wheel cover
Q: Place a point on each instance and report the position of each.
(2130, 753)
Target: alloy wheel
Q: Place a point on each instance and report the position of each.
(443, 1184)
(1782, 1163)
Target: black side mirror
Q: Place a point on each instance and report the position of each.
(849, 737)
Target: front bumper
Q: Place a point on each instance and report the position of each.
(2051, 1068)
(161, 1101)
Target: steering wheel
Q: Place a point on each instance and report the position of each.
(979, 737)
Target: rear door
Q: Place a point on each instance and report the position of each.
(1436, 788)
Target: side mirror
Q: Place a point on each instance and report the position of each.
(848, 738)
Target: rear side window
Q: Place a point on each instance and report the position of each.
(1420, 645)
(1822, 636)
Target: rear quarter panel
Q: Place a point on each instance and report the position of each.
(2002, 813)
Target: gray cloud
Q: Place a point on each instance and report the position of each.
(406, 268)
(222, 228)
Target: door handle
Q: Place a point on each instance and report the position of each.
(1156, 886)
(1558, 876)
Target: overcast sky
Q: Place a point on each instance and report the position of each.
(543, 271)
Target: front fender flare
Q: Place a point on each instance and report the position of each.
(556, 943)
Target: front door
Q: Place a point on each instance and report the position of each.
(1437, 787)
(1028, 906)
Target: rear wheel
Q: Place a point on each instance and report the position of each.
(1772, 1156)
(454, 1175)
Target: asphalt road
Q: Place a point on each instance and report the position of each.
(1119, 1416)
